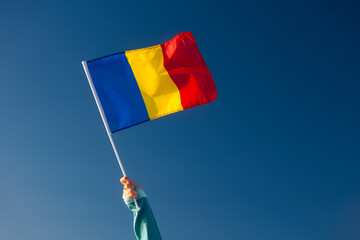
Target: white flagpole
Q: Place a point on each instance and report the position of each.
(103, 117)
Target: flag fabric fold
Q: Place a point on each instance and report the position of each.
(140, 85)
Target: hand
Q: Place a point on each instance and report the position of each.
(129, 187)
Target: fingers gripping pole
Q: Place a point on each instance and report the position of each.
(103, 117)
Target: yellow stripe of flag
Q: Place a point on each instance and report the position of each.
(160, 94)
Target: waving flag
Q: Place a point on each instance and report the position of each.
(140, 85)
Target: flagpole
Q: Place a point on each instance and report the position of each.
(103, 117)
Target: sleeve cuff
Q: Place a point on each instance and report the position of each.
(140, 194)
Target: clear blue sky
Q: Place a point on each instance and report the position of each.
(275, 157)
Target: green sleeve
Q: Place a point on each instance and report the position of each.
(145, 226)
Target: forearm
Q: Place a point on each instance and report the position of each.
(145, 226)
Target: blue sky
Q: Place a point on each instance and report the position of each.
(276, 156)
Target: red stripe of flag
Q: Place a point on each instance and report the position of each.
(187, 68)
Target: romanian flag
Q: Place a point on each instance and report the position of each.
(140, 85)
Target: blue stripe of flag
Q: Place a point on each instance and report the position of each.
(118, 91)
